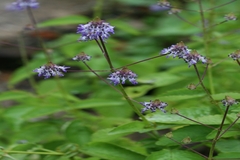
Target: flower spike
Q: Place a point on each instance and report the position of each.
(95, 29)
(50, 69)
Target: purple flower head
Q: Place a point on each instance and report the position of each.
(193, 57)
(23, 4)
(178, 50)
(235, 55)
(121, 76)
(95, 29)
(82, 57)
(50, 69)
(154, 105)
(229, 101)
(182, 52)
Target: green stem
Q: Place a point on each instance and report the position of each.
(206, 45)
(217, 135)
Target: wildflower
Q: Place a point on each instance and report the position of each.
(50, 69)
(230, 17)
(82, 57)
(95, 29)
(153, 105)
(121, 76)
(235, 55)
(23, 4)
(182, 52)
(229, 101)
(178, 50)
(193, 57)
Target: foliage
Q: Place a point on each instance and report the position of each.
(84, 116)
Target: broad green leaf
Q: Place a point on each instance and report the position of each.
(103, 135)
(78, 133)
(196, 134)
(136, 126)
(168, 118)
(181, 94)
(138, 91)
(228, 155)
(159, 79)
(68, 20)
(14, 95)
(167, 154)
(229, 133)
(228, 145)
(221, 96)
(111, 152)
(39, 111)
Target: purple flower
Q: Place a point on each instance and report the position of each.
(23, 4)
(229, 101)
(182, 52)
(95, 29)
(121, 76)
(153, 105)
(50, 69)
(235, 55)
(82, 57)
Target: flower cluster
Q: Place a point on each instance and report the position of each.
(23, 4)
(95, 29)
(153, 105)
(182, 52)
(121, 76)
(229, 101)
(82, 57)
(235, 55)
(50, 69)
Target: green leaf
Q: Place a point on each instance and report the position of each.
(196, 133)
(78, 133)
(136, 126)
(181, 94)
(103, 135)
(200, 114)
(159, 79)
(229, 133)
(167, 154)
(14, 95)
(228, 145)
(68, 20)
(221, 96)
(39, 111)
(228, 155)
(111, 152)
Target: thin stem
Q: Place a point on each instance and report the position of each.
(181, 18)
(195, 121)
(147, 59)
(220, 5)
(206, 44)
(227, 128)
(34, 22)
(204, 73)
(238, 62)
(102, 78)
(26, 62)
(106, 54)
(217, 135)
(132, 105)
(201, 82)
